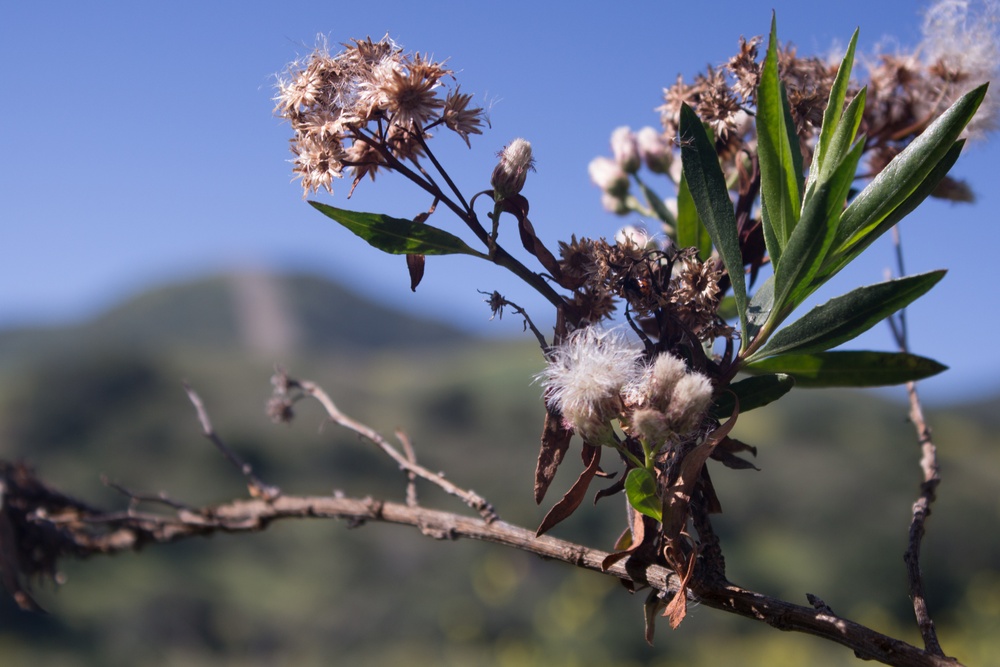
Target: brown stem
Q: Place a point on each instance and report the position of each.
(86, 531)
(922, 510)
(928, 487)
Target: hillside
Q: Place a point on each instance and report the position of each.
(826, 513)
(263, 315)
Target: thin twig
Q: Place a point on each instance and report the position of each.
(498, 302)
(469, 497)
(162, 498)
(928, 487)
(411, 456)
(257, 488)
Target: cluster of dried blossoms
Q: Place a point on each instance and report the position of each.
(369, 107)
(596, 377)
(905, 91)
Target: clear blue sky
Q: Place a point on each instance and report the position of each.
(138, 146)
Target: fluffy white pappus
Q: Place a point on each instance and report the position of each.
(654, 386)
(585, 376)
(690, 400)
(633, 235)
(965, 34)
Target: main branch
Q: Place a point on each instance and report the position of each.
(54, 525)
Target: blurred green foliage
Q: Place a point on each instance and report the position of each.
(826, 514)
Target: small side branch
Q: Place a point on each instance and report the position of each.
(284, 386)
(922, 510)
(258, 489)
(928, 487)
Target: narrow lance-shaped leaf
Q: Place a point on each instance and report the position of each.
(849, 369)
(906, 172)
(826, 203)
(753, 393)
(846, 317)
(656, 205)
(396, 235)
(836, 260)
(708, 190)
(760, 310)
(777, 148)
(690, 231)
(832, 116)
(804, 251)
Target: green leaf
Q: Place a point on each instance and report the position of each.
(838, 259)
(849, 369)
(832, 117)
(845, 317)
(843, 136)
(396, 235)
(690, 231)
(727, 308)
(708, 190)
(770, 240)
(777, 149)
(906, 172)
(812, 239)
(640, 488)
(753, 392)
(657, 205)
(760, 310)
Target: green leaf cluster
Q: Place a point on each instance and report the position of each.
(813, 228)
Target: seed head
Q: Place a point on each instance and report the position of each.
(512, 169)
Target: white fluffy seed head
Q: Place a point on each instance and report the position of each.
(689, 401)
(585, 376)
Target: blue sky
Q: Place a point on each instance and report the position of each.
(138, 146)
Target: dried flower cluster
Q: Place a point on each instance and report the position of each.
(595, 377)
(906, 90)
(368, 107)
(674, 289)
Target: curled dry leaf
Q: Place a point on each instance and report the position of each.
(555, 442)
(569, 502)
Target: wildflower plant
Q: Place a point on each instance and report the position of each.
(785, 169)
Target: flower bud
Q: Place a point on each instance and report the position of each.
(654, 150)
(624, 148)
(512, 169)
(609, 176)
(612, 204)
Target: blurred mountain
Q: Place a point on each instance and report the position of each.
(260, 313)
(827, 513)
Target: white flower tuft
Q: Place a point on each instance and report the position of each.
(585, 376)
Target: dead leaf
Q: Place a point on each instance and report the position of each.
(569, 502)
(555, 442)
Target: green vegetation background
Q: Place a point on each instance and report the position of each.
(827, 513)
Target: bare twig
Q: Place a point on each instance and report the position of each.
(497, 303)
(928, 486)
(469, 497)
(136, 498)
(257, 488)
(411, 456)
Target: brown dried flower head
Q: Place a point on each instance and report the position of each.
(366, 108)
